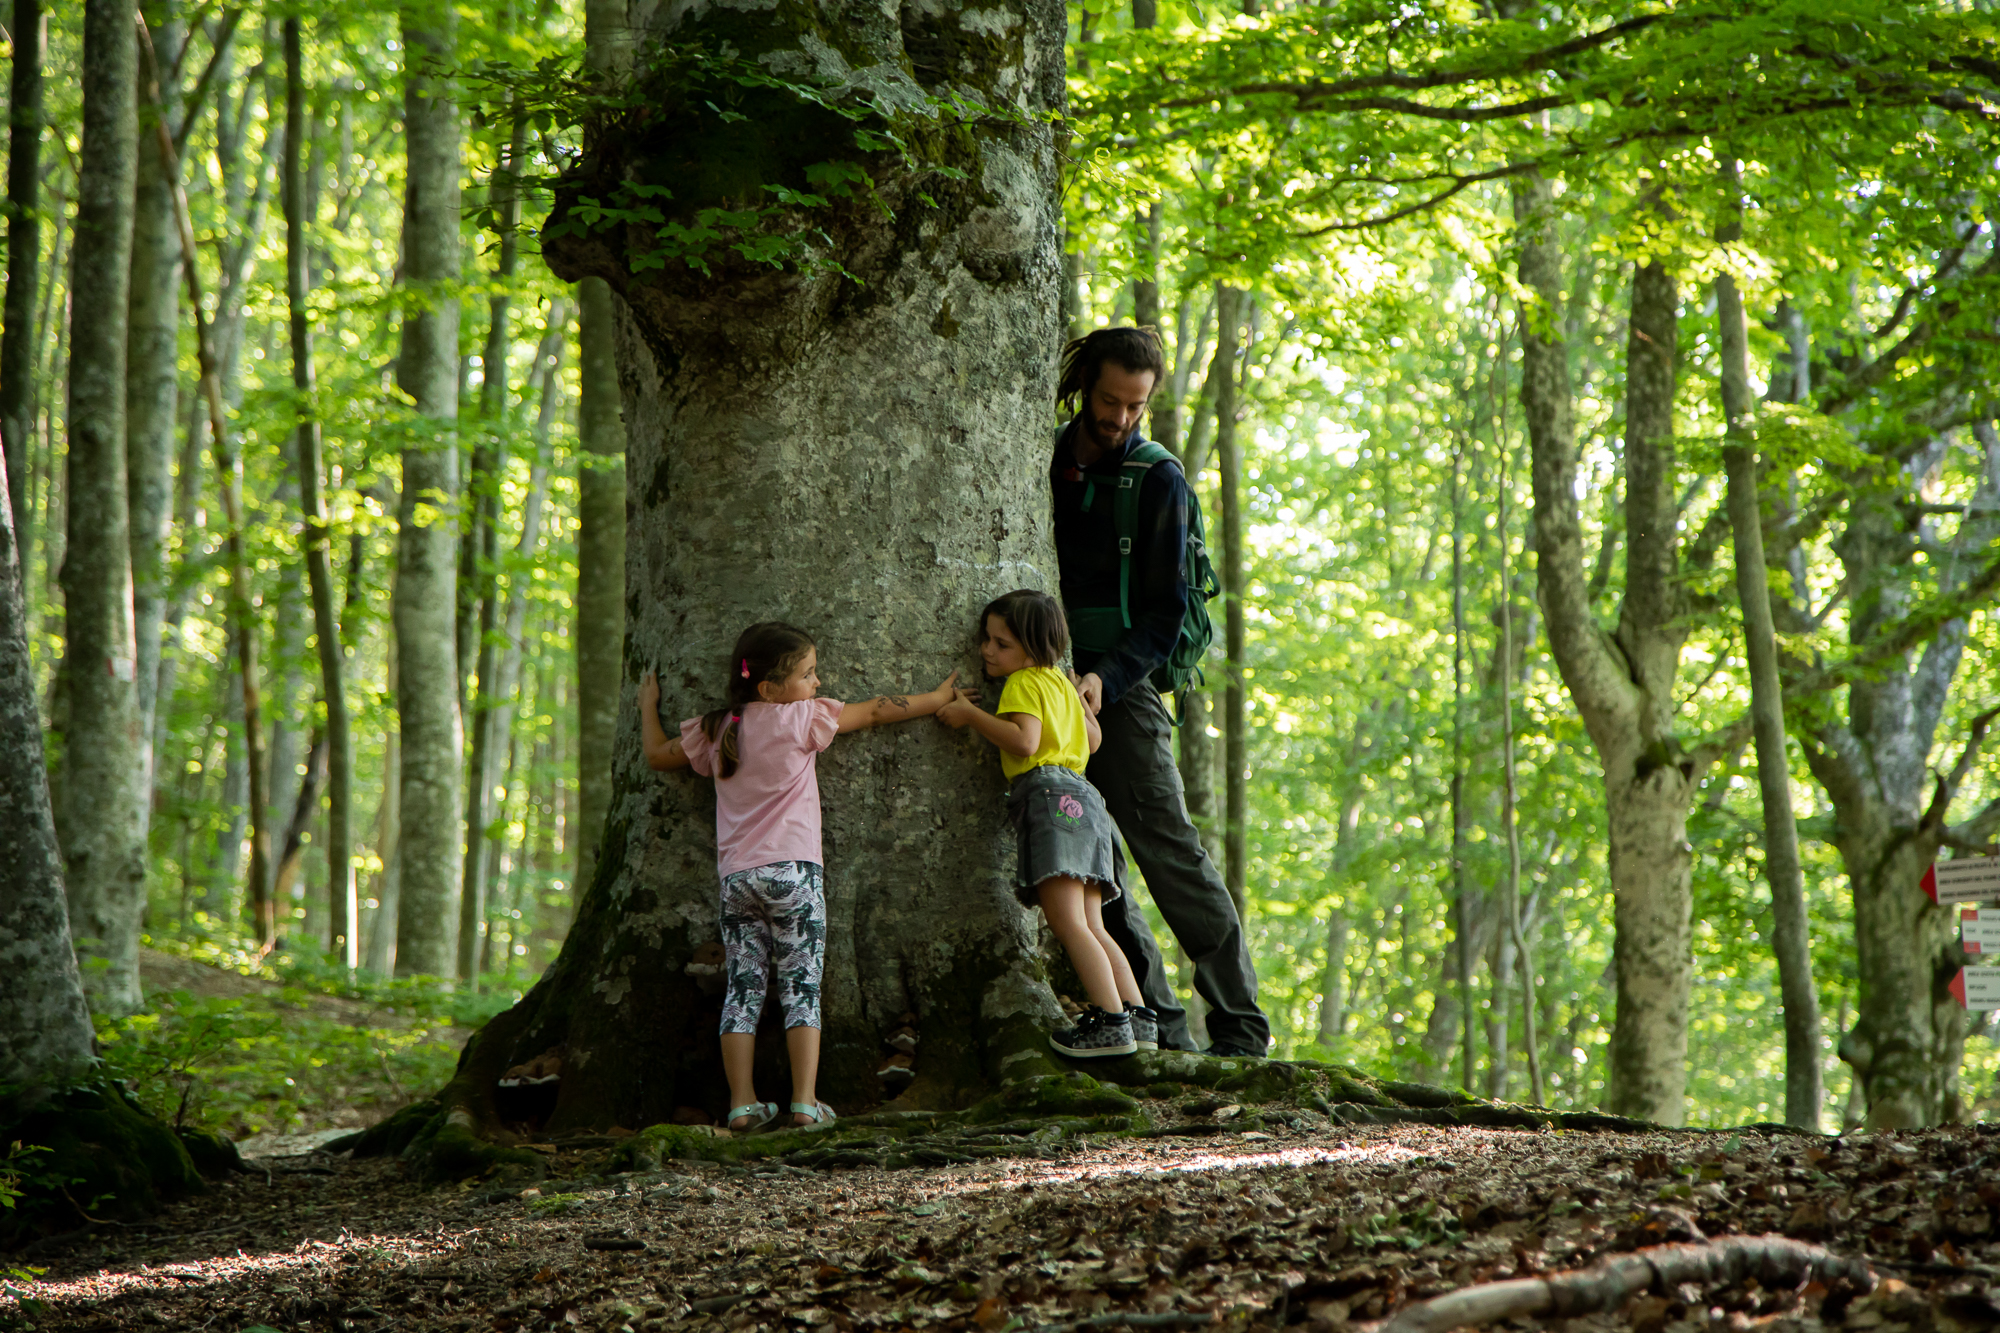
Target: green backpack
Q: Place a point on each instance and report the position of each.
(1098, 629)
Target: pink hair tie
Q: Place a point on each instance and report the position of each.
(746, 668)
(736, 717)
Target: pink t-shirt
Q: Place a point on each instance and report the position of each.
(768, 809)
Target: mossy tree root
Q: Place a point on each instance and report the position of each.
(103, 1158)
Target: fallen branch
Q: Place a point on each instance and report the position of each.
(1176, 1320)
(1773, 1260)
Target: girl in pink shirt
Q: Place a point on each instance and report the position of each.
(760, 748)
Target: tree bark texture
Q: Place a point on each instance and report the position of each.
(103, 796)
(426, 574)
(1232, 309)
(1908, 1032)
(45, 1035)
(1462, 905)
(152, 391)
(1791, 939)
(19, 338)
(343, 935)
(1622, 683)
(778, 471)
(600, 566)
(599, 626)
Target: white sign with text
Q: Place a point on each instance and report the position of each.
(1979, 930)
(1977, 988)
(1974, 879)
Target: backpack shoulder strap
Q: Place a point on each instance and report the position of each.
(1144, 457)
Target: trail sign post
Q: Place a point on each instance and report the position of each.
(1979, 930)
(1977, 988)
(1973, 879)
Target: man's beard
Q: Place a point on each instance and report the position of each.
(1106, 433)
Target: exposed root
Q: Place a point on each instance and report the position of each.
(1607, 1285)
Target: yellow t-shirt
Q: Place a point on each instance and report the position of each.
(1046, 693)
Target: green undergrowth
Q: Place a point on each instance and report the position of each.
(314, 1048)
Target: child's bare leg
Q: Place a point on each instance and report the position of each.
(739, 1058)
(1063, 904)
(803, 1045)
(1121, 967)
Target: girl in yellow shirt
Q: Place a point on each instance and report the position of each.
(1069, 863)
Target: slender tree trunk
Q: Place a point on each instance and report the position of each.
(388, 889)
(342, 909)
(479, 553)
(479, 563)
(45, 1035)
(1461, 902)
(1333, 999)
(152, 392)
(18, 338)
(242, 619)
(1790, 938)
(1232, 308)
(499, 678)
(599, 627)
(427, 685)
(1622, 682)
(298, 824)
(1197, 754)
(102, 816)
(1508, 795)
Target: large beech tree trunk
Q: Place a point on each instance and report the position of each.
(1621, 681)
(427, 655)
(103, 793)
(866, 460)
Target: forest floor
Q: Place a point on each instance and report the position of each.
(1322, 1228)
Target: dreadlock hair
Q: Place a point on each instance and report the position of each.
(1035, 619)
(768, 651)
(1083, 360)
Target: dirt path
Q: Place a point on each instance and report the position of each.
(1319, 1228)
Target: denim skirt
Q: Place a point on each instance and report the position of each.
(1061, 828)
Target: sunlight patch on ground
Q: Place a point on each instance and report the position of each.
(1236, 1162)
(311, 1256)
(1150, 1168)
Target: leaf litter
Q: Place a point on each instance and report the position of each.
(1308, 1225)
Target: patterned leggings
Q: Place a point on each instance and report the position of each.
(773, 918)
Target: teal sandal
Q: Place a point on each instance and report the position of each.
(759, 1113)
(822, 1114)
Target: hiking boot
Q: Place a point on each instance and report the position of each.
(1096, 1034)
(1145, 1026)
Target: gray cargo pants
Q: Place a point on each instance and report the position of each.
(1134, 771)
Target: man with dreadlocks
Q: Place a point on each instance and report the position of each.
(1125, 608)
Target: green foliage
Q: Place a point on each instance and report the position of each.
(317, 1047)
